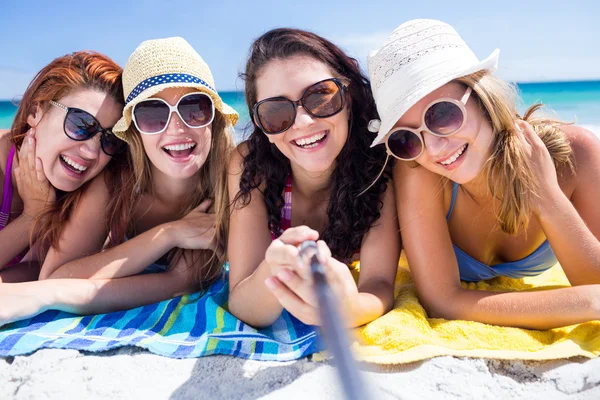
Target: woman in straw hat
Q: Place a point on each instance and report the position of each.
(178, 130)
(484, 192)
(310, 105)
(56, 152)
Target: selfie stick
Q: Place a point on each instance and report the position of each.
(333, 329)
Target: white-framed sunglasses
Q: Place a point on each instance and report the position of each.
(442, 117)
(152, 116)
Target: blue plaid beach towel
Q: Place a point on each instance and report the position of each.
(189, 326)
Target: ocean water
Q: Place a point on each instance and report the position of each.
(577, 102)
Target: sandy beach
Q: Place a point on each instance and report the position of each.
(132, 373)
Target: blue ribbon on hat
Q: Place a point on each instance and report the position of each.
(162, 79)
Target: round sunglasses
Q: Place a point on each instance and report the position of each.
(442, 117)
(80, 125)
(321, 100)
(152, 116)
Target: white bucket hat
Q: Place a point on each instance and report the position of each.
(418, 57)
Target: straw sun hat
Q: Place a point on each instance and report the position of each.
(419, 57)
(164, 63)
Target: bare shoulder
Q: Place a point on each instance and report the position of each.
(5, 145)
(236, 168)
(585, 145)
(236, 162)
(412, 172)
(416, 183)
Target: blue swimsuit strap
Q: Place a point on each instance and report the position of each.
(454, 193)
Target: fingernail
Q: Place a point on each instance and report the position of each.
(270, 283)
(284, 275)
(30, 140)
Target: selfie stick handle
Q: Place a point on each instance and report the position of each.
(334, 331)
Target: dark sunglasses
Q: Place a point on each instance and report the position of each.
(80, 125)
(442, 117)
(152, 116)
(321, 100)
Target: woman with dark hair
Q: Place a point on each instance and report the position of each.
(310, 105)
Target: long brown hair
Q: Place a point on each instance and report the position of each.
(75, 71)
(357, 165)
(212, 184)
(510, 176)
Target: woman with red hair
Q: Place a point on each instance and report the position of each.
(59, 144)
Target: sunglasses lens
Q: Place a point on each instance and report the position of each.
(151, 116)
(275, 115)
(444, 118)
(80, 125)
(196, 110)
(404, 144)
(323, 99)
(111, 144)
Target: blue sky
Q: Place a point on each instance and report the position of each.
(539, 40)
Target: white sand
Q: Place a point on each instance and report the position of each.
(131, 374)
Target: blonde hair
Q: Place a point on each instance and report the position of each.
(510, 175)
(212, 184)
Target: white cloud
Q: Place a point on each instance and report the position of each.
(13, 82)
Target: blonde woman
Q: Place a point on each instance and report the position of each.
(177, 128)
(482, 192)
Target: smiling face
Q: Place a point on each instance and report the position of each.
(179, 151)
(460, 157)
(67, 163)
(311, 143)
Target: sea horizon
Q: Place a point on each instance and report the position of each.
(575, 101)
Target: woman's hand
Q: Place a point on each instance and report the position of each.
(35, 190)
(283, 252)
(196, 231)
(294, 288)
(542, 166)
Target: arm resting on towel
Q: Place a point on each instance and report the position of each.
(433, 265)
(89, 296)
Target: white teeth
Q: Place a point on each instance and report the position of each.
(179, 146)
(454, 156)
(310, 141)
(72, 163)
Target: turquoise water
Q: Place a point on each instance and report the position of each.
(578, 102)
(7, 113)
(571, 101)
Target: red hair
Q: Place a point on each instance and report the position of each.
(76, 71)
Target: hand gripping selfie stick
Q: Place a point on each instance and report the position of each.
(333, 329)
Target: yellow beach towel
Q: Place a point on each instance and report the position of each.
(405, 334)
